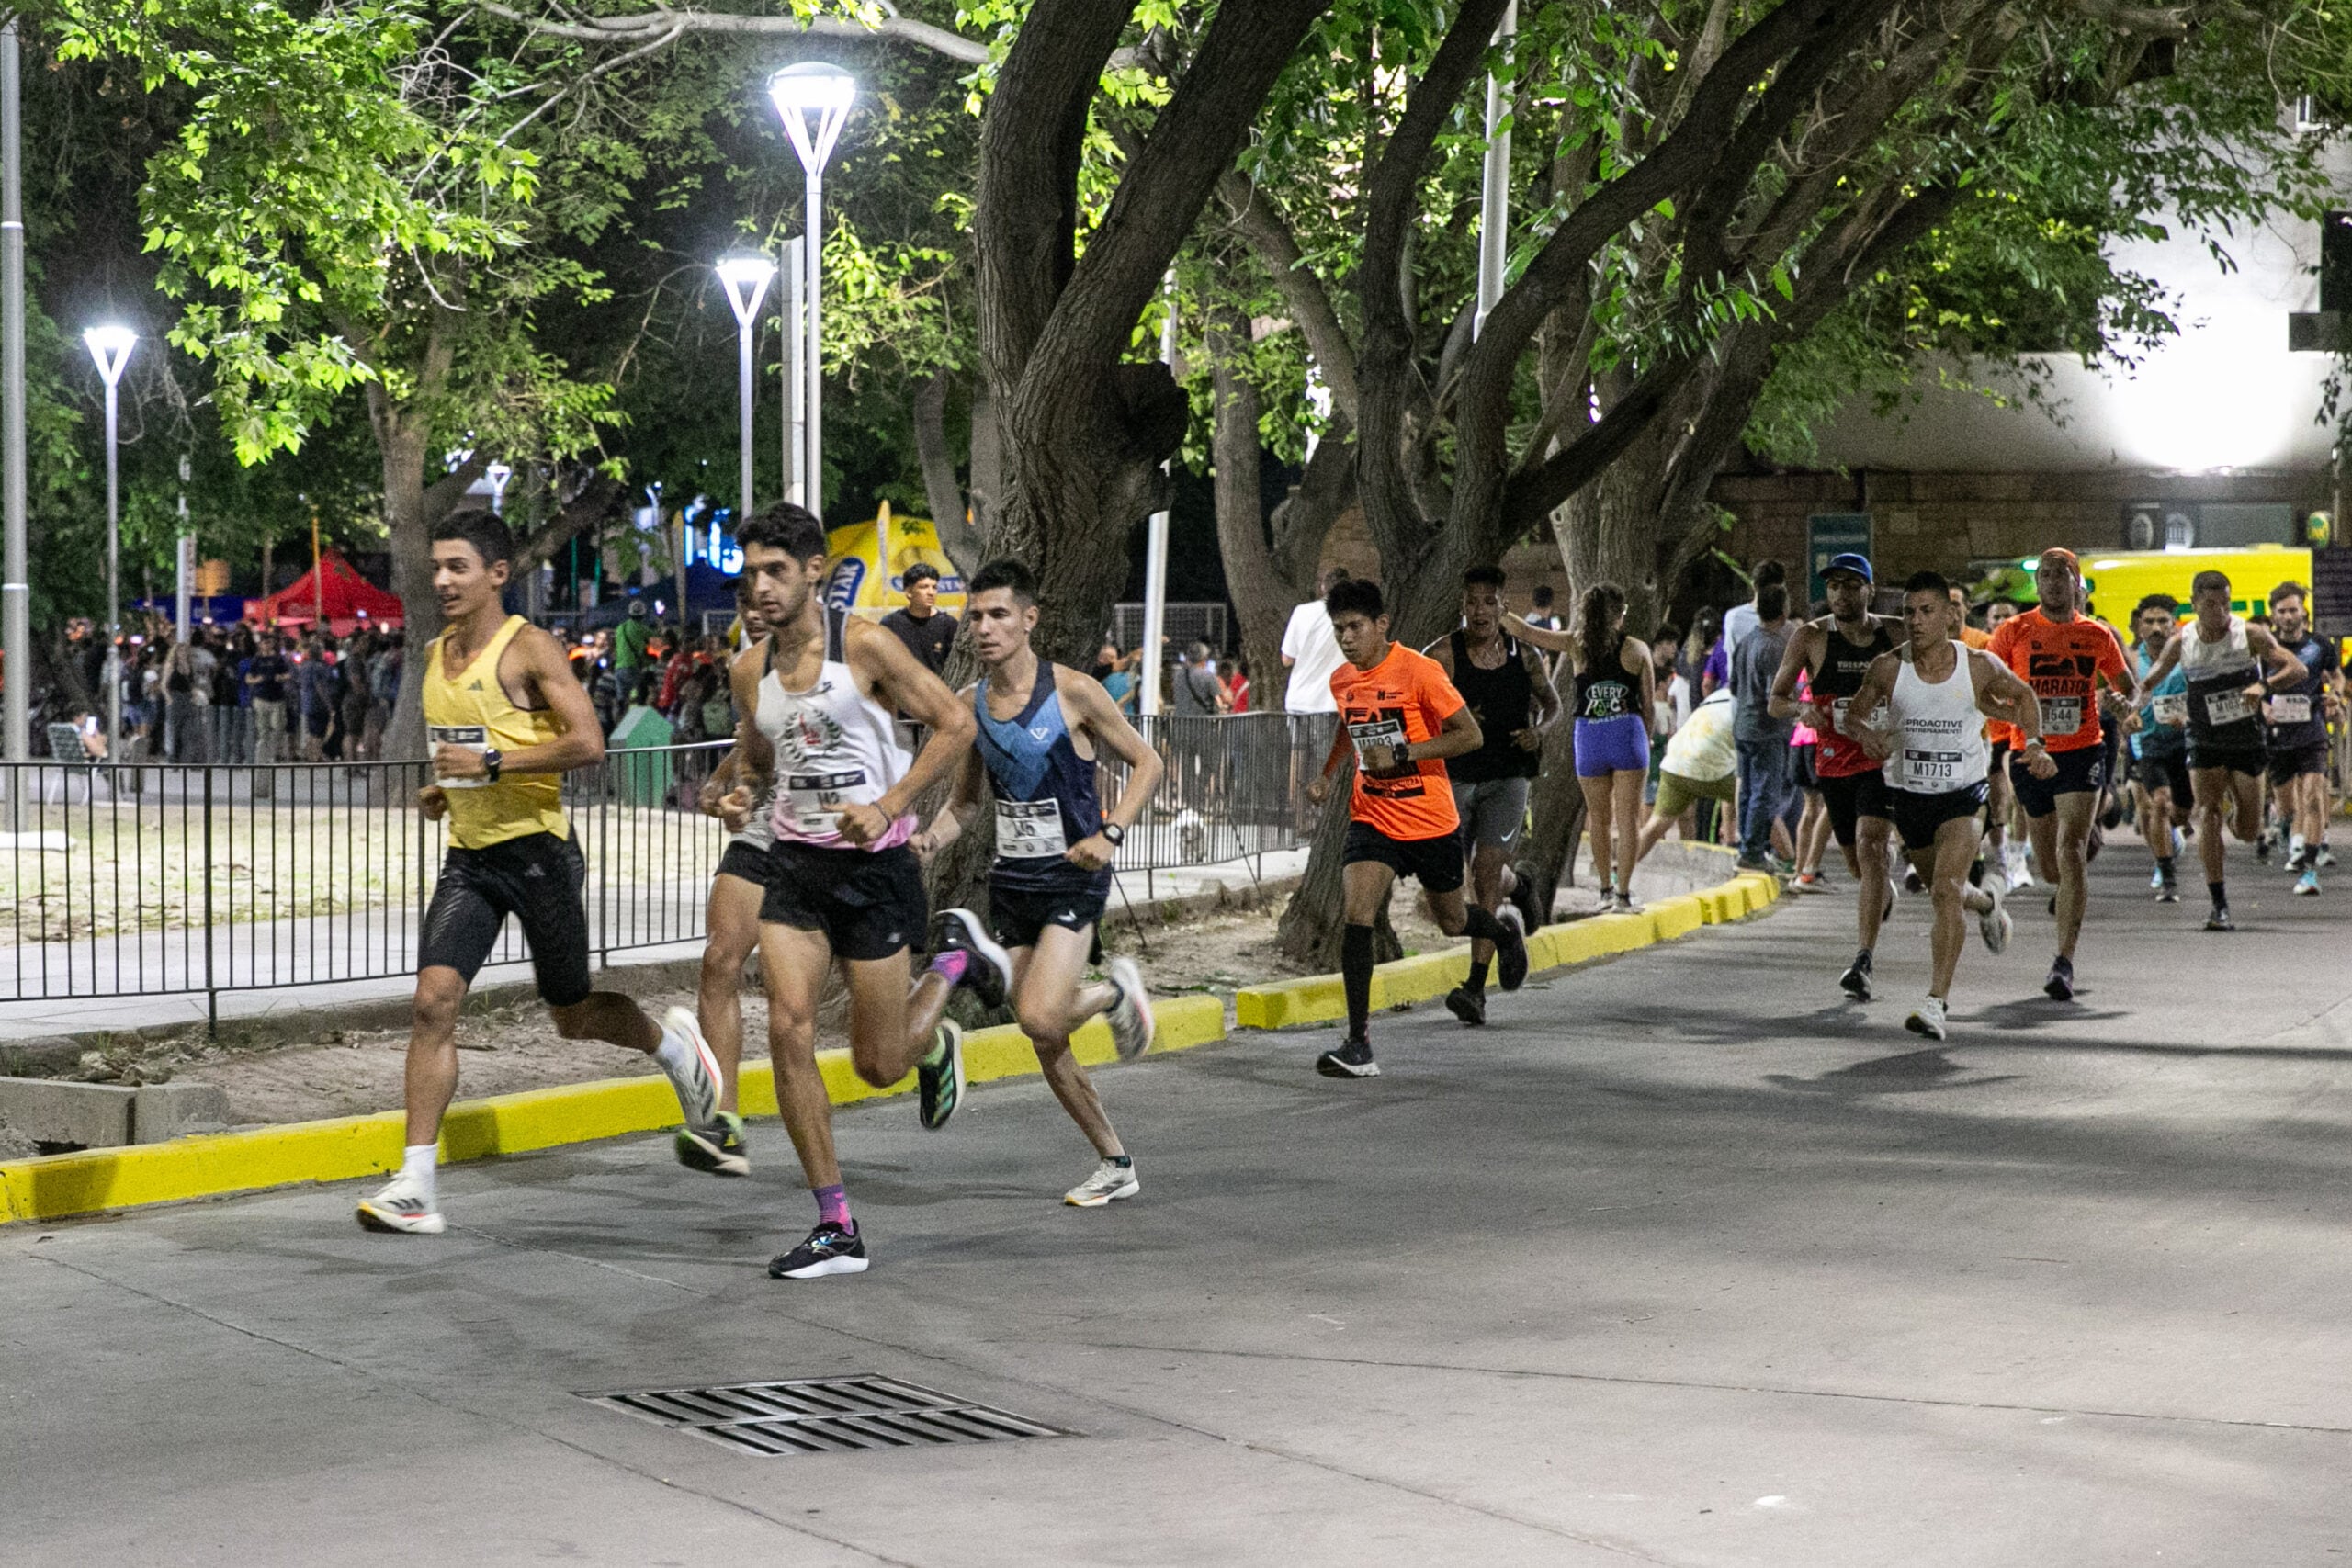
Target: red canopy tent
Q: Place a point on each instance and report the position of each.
(349, 600)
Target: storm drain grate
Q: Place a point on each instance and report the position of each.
(824, 1415)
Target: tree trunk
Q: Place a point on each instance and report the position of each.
(959, 535)
(1556, 805)
(1262, 589)
(401, 439)
(988, 463)
(1310, 931)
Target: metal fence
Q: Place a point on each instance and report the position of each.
(153, 879)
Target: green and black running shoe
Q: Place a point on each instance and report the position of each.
(939, 1078)
(718, 1148)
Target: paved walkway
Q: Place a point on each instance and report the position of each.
(1682, 1260)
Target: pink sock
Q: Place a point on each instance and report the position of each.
(952, 964)
(832, 1206)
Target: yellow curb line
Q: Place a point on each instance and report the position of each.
(1426, 977)
(55, 1186)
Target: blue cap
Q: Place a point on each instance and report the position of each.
(1859, 565)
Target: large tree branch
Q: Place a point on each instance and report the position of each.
(1267, 234)
(1528, 498)
(663, 23)
(1191, 142)
(949, 515)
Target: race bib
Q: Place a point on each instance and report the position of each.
(1375, 733)
(2061, 716)
(1930, 767)
(472, 737)
(2293, 707)
(2172, 708)
(1030, 830)
(2228, 707)
(814, 800)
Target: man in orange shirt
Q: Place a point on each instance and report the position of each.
(1400, 718)
(2065, 655)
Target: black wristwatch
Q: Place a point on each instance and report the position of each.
(491, 761)
(1116, 834)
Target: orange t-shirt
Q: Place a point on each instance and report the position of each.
(2061, 660)
(1403, 698)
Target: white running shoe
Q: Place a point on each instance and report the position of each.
(1130, 1016)
(1110, 1181)
(1994, 925)
(402, 1207)
(2020, 868)
(1928, 1019)
(696, 1081)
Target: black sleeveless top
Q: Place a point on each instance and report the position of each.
(1606, 690)
(1503, 702)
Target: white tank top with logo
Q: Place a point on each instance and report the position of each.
(1938, 734)
(834, 747)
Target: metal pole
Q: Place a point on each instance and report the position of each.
(114, 596)
(743, 511)
(184, 560)
(1155, 561)
(796, 381)
(16, 592)
(813, 469)
(1494, 195)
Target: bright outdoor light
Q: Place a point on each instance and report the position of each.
(498, 474)
(813, 100)
(110, 347)
(747, 280)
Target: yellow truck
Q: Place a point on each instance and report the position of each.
(2118, 580)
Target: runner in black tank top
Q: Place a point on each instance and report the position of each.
(1506, 688)
(1833, 654)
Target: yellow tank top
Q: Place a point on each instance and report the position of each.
(474, 711)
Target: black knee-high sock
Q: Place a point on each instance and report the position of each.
(1355, 977)
(1481, 925)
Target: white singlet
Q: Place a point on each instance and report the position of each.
(834, 747)
(1939, 736)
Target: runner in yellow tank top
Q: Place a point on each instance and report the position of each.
(506, 720)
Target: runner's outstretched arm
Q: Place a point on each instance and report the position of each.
(1101, 719)
(899, 680)
(963, 801)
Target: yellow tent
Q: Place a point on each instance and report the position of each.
(870, 559)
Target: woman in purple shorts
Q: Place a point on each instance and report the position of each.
(1613, 700)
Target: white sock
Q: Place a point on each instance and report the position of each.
(674, 1053)
(2296, 843)
(417, 1164)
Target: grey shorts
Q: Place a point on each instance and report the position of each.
(1492, 811)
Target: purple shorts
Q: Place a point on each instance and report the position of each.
(1613, 745)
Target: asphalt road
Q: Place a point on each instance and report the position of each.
(1683, 1260)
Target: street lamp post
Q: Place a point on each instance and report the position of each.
(814, 100)
(747, 280)
(1494, 188)
(498, 474)
(110, 347)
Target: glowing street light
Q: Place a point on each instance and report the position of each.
(747, 280)
(110, 347)
(498, 474)
(813, 99)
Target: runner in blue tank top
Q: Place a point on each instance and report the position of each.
(1042, 725)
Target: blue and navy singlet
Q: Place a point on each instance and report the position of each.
(1045, 798)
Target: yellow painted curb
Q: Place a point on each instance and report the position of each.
(58, 1185)
(1317, 998)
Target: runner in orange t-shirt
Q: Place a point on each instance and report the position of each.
(1400, 718)
(2064, 655)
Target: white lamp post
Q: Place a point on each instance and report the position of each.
(814, 100)
(498, 474)
(1493, 190)
(110, 347)
(747, 280)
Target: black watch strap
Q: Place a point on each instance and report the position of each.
(491, 761)
(1116, 834)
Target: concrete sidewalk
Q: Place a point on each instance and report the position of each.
(1682, 1260)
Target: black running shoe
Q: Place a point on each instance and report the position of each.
(987, 968)
(1523, 899)
(1510, 949)
(2060, 986)
(939, 1083)
(829, 1251)
(2219, 920)
(1856, 981)
(718, 1148)
(1351, 1060)
(1467, 1005)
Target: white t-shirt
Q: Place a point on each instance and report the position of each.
(1673, 706)
(1738, 621)
(1702, 749)
(1314, 652)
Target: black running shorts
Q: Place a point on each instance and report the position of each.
(1917, 814)
(1436, 861)
(1851, 798)
(1017, 915)
(536, 879)
(2082, 771)
(2251, 761)
(745, 860)
(2289, 765)
(868, 903)
(2168, 771)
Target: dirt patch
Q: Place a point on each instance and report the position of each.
(354, 1072)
